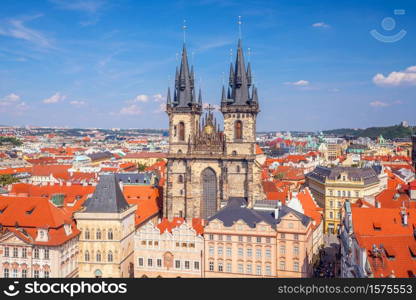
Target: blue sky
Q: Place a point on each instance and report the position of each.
(98, 63)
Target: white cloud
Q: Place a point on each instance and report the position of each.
(162, 108)
(140, 98)
(379, 104)
(158, 97)
(411, 69)
(9, 99)
(16, 28)
(55, 98)
(77, 103)
(131, 110)
(320, 25)
(298, 83)
(406, 77)
(12, 104)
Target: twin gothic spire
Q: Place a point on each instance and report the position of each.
(240, 92)
(184, 93)
(240, 81)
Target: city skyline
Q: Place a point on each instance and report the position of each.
(108, 65)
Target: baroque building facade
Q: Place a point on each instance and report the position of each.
(207, 166)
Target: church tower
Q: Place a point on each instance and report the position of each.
(240, 107)
(184, 111)
(205, 166)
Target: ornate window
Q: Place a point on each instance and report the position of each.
(98, 256)
(87, 256)
(98, 234)
(110, 234)
(180, 179)
(181, 131)
(209, 193)
(87, 234)
(238, 169)
(110, 256)
(238, 130)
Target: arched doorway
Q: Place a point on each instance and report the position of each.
(209, 193)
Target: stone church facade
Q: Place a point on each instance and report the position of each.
(207, 166)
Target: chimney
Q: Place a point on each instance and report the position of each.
(404, 216)
(276, 213)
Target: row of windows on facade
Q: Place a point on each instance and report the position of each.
(249, 239)
(15, 273)
(98, 256)
(249, 251)
(98, 235)
(23, 254)
(343, 193)
(238, 130)
(331, 215)
(249, 268)
(177, 244)
(157, 263)
(331, 204)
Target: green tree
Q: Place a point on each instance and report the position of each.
(141, 167)
(7, 179)
(10, 140)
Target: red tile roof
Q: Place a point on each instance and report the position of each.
(147, 198)
(166, 225)
(383, 228)
(23, 215)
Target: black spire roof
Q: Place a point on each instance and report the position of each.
(184, 92)
(240, 83)
(107, 197)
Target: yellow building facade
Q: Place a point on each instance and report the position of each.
(332, 186)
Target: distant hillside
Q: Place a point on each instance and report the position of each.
(390, 132)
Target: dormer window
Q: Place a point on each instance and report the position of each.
(30, 211)
(68, 229)
(42, 235)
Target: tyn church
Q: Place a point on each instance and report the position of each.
(206, 166)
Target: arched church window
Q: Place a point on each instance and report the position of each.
(180, 179)
(181, 131)
(238, 130)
